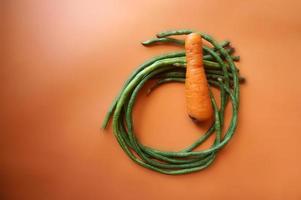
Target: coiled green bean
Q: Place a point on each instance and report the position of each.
(221, 73)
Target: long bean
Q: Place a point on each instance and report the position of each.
(221, 73)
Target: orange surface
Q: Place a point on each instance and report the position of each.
(64, 62)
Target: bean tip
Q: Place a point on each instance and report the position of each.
(232, 50)
(226, 43)
(145, 43)
(236, 58)
(242, 80)
(158, 35)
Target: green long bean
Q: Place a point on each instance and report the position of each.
(221, 73)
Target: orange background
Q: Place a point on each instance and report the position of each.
(64, 62)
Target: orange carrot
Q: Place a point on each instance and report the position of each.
(198, 101)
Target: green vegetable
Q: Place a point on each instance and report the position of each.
(221, 73)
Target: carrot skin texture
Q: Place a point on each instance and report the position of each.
(198, 102)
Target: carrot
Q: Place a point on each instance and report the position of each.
(197, 96)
